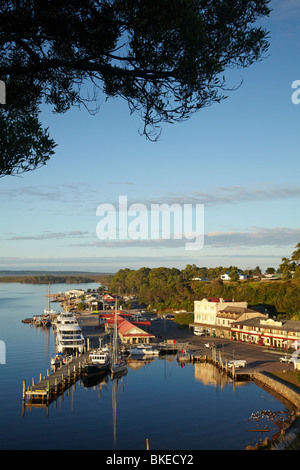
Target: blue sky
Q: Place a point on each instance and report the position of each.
(239, 158)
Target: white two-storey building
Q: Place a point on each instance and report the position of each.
(215, 315)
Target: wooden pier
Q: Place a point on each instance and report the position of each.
(242, 374)
(52, 385)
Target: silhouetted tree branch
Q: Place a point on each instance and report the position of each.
(166, 58)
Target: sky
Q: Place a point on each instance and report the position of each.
(237, 160)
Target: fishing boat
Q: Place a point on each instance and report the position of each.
(99, 362)
(119, 363)
(145, 350)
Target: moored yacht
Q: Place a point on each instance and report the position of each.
(64, 318)
(69, 337)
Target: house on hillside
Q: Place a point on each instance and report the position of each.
(226, 277)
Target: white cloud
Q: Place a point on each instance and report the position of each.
(256, 236)
(253, 237)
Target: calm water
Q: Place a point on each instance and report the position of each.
(190, 407)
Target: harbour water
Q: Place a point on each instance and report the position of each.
(175, 407)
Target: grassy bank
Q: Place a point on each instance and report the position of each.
(289, 377)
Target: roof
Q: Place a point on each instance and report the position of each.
(285, 325)
(236, 311)
(126, 328)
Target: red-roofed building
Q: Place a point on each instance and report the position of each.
(109, 299)
(129, 333)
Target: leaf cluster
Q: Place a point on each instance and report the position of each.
(166, 58)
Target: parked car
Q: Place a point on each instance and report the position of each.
(286, 359)
(237, 363)
(199, 333)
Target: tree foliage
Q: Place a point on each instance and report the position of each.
(290, 267)
(166, 58)
(172, 289)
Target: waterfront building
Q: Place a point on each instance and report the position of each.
(75, 293)
(267, 331)
(230, 314)
(128, 332)
(132, 334)
(216, 315)
(206, 310)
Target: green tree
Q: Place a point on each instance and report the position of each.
(296, 255)
(234, 274)
(167, 59)
(82, 306)
(270, 270)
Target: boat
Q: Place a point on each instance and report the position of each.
(41, 320)
(119, 363)
(69, 337)
(145, 350)
(64, 318)
(183, 356)
(99, 362)
(58, 359)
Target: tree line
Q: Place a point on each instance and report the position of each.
(47, 279)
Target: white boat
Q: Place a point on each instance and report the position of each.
(49, 311)
(118, 364)
(64, 318)
(58, 359)
(145, 350)
(69, 336)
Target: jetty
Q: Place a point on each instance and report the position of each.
(235, 373)
(48, 388)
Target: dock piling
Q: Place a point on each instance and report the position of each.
(47, 389)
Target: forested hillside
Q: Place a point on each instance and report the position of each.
(174, 289)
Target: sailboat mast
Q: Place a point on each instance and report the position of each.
(115, 342)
